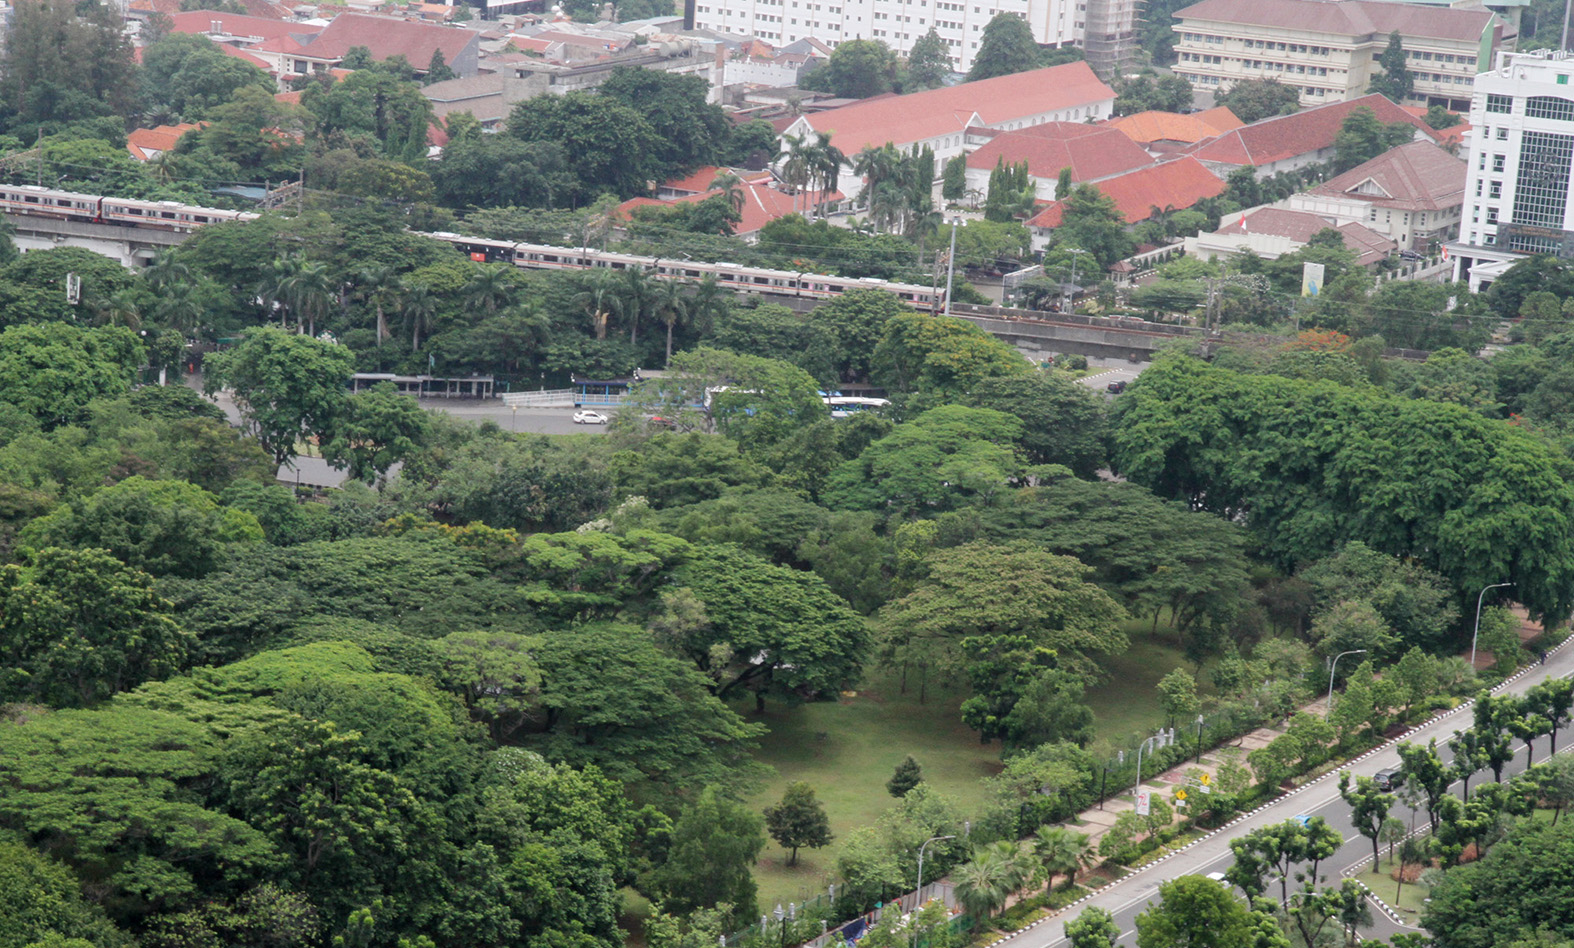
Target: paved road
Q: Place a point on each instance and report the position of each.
(1105, 371)
(1128, 898)
(532, 420)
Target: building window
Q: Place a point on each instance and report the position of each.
(1541, 189)
(1563, 79)
(1497, 162)
(1500, 103)
(1550, 107)
(1495, 189)
(1502, 134)
(1491, 215)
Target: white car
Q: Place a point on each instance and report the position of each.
(587, 417)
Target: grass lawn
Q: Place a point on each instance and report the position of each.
(1383, 885)
(1126, 704)
(847, 750)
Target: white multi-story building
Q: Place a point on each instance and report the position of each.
(900, 23)
(1521, 151)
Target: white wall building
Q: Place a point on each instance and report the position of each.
(897, 23)
(1521, 151)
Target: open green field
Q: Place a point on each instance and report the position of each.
(846, 750)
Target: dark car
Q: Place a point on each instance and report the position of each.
(1117, 386)
(1389, 779)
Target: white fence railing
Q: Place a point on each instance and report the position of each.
(556, 398)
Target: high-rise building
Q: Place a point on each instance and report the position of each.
(1521, 152)
(900, 23)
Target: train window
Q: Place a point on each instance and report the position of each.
(30, 199)
(167, 215)
(762, 280)
(692, 273)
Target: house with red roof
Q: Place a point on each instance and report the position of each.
(1272, 232)
(762, 203)
(1414, 195)
(1163, 133)
(1288, 142)
(145, 144)
(940, 118)
(1092, 152)
(1166, 186)
(386, 38)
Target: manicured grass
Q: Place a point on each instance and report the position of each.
(1126, 704)
(1384, 886)
(847, 750)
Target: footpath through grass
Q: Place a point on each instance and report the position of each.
(846, 750)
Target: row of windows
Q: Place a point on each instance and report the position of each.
(1541, 189)
(1443, 80)
(1265, 65)
(1314, 91)
(1427, 57)
(1550, 107)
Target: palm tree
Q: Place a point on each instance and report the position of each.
(179, 307)
(276, 289)
(311, 293)
(795, 170)
(671, 307)
(419, 308)
(708, 302)
(118, 310)
(731, 188)
(984, 885)
(380, 286)
(1061, 852)
(165, 271)
(826, 165)
(599, 298)
(636, 293)
(488, 289)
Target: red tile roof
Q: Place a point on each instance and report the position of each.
(386, 38)
(266, 9)
(1145, 127)
(761, 204)
(246, 57)
(1090, 151)
(1286, 136)
(1299, 226)
(700, 180)
(1452, 135)
(235, 24)
(1361, 18)
(1173, 184)
(912, 118)
(1419, 175)
(145, 143)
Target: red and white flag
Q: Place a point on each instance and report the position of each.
(1445, 251)
(1243, 220)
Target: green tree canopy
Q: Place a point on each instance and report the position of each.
(857, 69)
(52, 371)
(1007, 47)
(945, 458)
(287, 386)
(1253, 100)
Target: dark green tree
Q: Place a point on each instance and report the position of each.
(1395, 81)
(798, 821)
(856, 69)
(1253, 100)
(907, 776)
(714, 846)
(1007, 47)
(287, 386)
(1194, 912)
(928, 63)
(1093, 928)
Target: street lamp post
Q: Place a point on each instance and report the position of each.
(1477, 633)
(950, 264)
(1199, 738)
(1335, 667)
(1075, 252)
(920, 886)
(1161, 741)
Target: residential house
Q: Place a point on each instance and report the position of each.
(384, 38)
(758, 63)
(1092, 152)
(941, 118)
(146, 144)
(1413, 195)
(1272, 232)
(1167, 186)
(1168, 133)
(1328, 50)
(1290, 142)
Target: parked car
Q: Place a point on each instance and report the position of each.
(586, 416)
(1117, 386)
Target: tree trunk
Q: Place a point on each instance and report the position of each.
(382, 326)
(669, 341)
(793, 859)
(759, 702)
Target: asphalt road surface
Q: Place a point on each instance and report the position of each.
(1104, 371)
(1129, 897)
(525, 420)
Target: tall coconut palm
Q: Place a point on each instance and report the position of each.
(708, 302)
(599, 299)
(118, 310)
(731, 188)
(1061, 852)
(826, 166)
(637, 291)
(489, 289)
(165, 271)
(419, 309)
(381, 287)
(179, 307)
(312, 293)
(276, 292)
(671, 307)
(795, 169)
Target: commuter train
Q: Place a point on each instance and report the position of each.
(730, 275)
(168, 215)
(68, 205)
